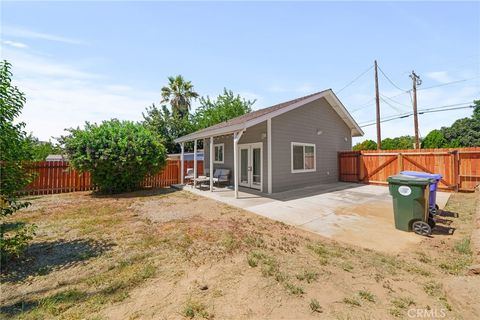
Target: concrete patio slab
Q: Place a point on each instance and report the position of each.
(357, 214)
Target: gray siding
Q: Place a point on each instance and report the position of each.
(251, 135)
(301, 125)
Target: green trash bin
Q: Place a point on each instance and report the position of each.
(410, 203)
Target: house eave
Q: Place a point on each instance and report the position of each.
(329, 95)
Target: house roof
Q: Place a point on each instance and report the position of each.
(252, 118)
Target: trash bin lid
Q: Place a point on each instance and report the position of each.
(422, 174)
(410, 180)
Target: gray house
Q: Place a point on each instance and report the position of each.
(289, 145)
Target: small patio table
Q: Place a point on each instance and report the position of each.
(201, 180)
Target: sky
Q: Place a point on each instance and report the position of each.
(92, 61)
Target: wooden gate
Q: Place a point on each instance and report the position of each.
(460, 168)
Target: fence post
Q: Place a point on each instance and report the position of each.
(360, 167)
(456, 169)
(400, 162)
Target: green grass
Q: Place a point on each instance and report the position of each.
(308, 276)
(455, 265)
(366, 295)
(315, 306)
(352, 301)
(61, 301)
(194, 309)
(463, 246)
(293, 289)
(399, 305)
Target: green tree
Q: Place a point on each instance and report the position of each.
(464, 132)
(225, 107)
(365, 145)
(13, 175)
(118, 154)
(403, 142)
(179, 93)
(39, 150)
(435, 139)
(168, 126)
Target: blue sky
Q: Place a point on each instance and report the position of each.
(97, 60)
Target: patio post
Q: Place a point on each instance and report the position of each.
(194, 162)
(211, 163)
(181, 163)
(236, 138)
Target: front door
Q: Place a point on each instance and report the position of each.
(250, 159)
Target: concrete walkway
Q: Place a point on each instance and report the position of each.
(357, 214)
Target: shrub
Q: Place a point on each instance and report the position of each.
(118, 154)
(14, 149)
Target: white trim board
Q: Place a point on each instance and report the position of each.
(329, 95)
(303, 144)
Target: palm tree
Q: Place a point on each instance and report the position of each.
(179, 94)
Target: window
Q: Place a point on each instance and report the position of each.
(303, 157)
(218, 153)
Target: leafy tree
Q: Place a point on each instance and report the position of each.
(167, 125)
(179, 93)
(225, 107)
(13, 174)
(39, 150)
(435, 139)
(365, 145)
(118, 154)
(464, 132)
(403, 142)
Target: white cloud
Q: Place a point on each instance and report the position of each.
(61, 95)
(30, 34)
(440, 76)
(15, 44)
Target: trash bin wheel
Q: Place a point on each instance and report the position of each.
(422, 228)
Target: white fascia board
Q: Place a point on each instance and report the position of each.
(331, 99)
(211, 133)
(338, 106)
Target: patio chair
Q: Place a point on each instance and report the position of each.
(189, 177)
(221, 176)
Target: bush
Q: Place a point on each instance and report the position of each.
(14, 149)
(118, 154)
(14, 240)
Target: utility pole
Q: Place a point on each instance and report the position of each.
(416, 81)
(377, 100)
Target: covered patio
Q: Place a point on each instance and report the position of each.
(222, 147)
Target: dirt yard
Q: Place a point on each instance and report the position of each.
(173, 255)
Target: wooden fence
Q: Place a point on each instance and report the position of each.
(59, 177)
(460, 167)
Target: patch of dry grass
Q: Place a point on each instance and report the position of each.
(274, 261)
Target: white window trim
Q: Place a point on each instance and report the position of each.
(223, 152)
(314, 156)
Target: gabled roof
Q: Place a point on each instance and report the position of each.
(250, 119)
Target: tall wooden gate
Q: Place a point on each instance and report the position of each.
(460, 168)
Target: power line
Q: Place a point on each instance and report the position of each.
(391, 82)
(353, 81)
(391, 105)
(395, 101)
(447, 84)
(423, 111)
